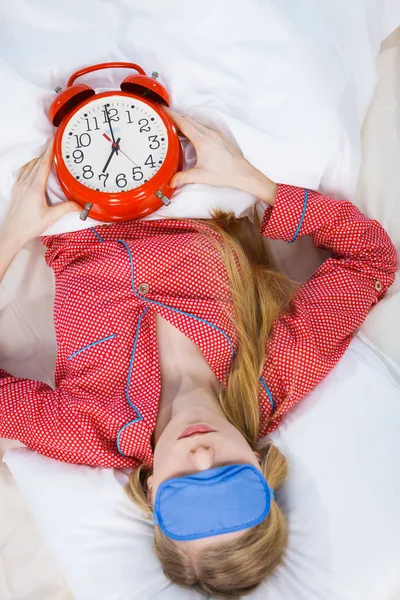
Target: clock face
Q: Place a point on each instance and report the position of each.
(114, 144)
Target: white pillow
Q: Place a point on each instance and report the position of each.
(342, 501)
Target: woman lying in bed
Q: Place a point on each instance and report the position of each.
(179, 348)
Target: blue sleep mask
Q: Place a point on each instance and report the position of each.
(212, 502)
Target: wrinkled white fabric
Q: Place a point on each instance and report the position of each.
(291, 80)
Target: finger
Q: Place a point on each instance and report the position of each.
(185, 124)
(42, 170)
(189, 176)
(39, 163)
(60, 210)
(193, 121)
(26, 170)
(197, 124)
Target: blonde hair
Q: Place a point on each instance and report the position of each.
(259, 294)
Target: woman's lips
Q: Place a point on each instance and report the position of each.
(195, 429)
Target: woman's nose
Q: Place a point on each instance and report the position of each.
(202, 458)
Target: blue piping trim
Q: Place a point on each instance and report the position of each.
(109, 337)
(182, 312)
(128, 382)
(271, 400)
(139, 416)
(97, 234)
(301, 218)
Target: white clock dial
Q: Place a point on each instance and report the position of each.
(140, 144)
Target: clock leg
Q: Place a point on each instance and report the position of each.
(163, 198)
(85, 213)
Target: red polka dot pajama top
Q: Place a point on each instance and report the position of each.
(110, 282)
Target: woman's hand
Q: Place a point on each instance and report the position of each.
(29, 215)
(220, 162)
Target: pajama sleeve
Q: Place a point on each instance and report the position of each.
(309, 339)
(55, 424)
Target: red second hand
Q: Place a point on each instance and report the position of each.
(115, 145)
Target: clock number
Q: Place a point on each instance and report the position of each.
(150, 162)
(144, 125)
(105, 175)
(83, 140)
(120, 180)
(87, 172)
(128, 112)
(95, 122)
(78, 156)
(137, 173)
(112, 114)
(154, 142)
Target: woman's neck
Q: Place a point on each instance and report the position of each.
(183, 392)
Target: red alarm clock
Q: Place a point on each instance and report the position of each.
(115, 152)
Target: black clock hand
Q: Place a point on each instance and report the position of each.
(109, 122)
(108, 161)
(118, 147)
(114, 150)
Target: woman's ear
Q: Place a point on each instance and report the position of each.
(149, 484)
(258, 457)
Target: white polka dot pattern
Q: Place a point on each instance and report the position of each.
(308, 340)
(104, 406)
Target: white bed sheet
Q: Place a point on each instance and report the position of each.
(26, 569)
(291, 79)
(377, 193)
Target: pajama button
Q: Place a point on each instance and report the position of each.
(378, 286)
(143, 288)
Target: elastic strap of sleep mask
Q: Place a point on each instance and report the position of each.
(212, 502)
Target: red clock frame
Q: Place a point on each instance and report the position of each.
(132, 204)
